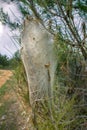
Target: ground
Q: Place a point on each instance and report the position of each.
(13, 114)
(4, 76)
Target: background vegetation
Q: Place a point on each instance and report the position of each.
(4, 61)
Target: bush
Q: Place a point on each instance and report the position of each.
(4, 61)
(68, 109)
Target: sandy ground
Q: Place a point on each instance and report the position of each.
(4, 76)
(14, 114)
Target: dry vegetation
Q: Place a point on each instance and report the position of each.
(14, 114)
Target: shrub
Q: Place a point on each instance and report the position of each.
(4, 61)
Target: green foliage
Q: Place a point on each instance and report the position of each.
(63, 53)
(12, 63)
(22, 85)
(4, 61)
(61, 115)
(3, 17)
(45, 3)
(23, 10)
(71, 63)
(15, 60)
(82, 7)
(62, 112)
(3, 90)
(70, 72)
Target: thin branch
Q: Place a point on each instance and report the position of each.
(73, 30)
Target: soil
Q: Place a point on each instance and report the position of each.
(4, 76)
(14, 113)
